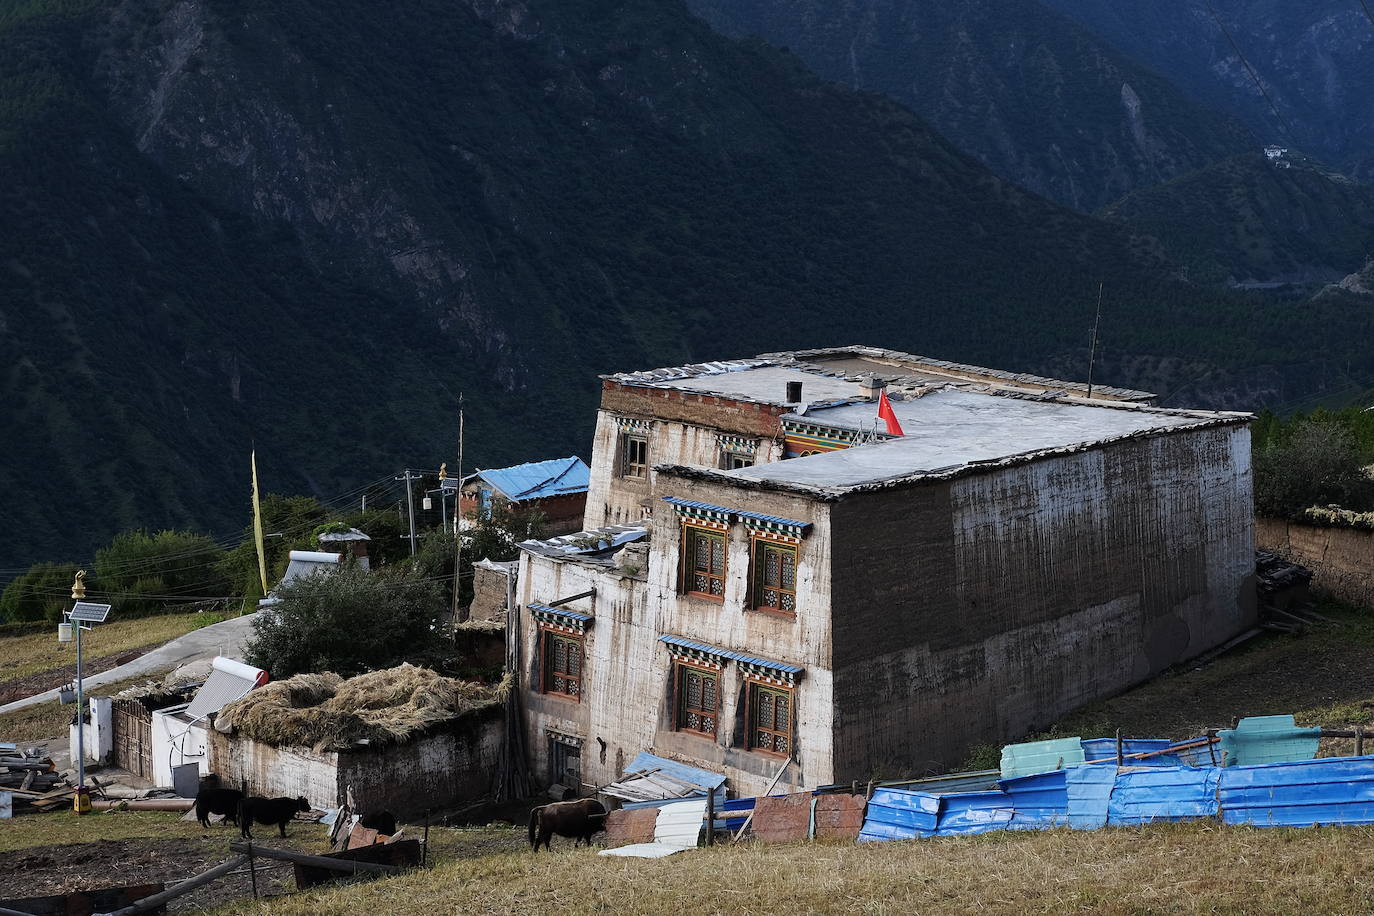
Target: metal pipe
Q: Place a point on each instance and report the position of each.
(80, 727)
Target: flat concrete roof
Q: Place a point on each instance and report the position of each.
(949, 429)
(768, 385)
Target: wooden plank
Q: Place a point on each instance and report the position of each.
(402, 853)
(328, 862)
(81, 903)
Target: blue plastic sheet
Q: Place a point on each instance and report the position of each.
(1145, 794)
(1331, 790)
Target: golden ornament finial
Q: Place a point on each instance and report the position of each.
(79, 585)
(443, 471)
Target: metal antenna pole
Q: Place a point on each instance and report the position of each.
(1092, 351)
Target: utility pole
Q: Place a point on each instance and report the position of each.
(410, 505)
(457, 523)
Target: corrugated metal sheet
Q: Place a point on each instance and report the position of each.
(1041, 756)
(1103, 750)
(896, 814)
(677, 827)
(1267, 739)
(964, 813)
(1145, 794)
(1332, 790)
(1087, 791)
(1038, 802)
(973, 781)
(539, 479)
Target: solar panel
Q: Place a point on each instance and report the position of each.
(89, 612)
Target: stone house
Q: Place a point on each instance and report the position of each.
(769, 575)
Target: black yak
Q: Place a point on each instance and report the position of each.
(579, 819)
(218, 801)
(268, 811)
(384, 822)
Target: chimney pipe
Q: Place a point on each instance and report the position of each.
(794, 392)
(871, 386)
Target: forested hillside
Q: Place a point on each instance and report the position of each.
(1249, 220)
(1038, 99)
(310, 226)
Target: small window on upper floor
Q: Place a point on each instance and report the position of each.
(729, 460)
(769, 718)
(774, 577)
(634, 455)
(561, 672)
(698, 699)
(703, 562)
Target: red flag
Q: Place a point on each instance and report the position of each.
(885, 413)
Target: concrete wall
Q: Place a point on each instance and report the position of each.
(684, 428)
(974, 610)
(176, 742)
(99, 731)
(1341, 559)
(627, 692)
(440, 769)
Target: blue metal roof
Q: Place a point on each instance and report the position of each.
(727, 653)
(560, 612)
(539, 479)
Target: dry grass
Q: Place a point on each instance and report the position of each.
(21, 656)
(382, 707)
(42, 721)
(1165, 868)
(66, 826)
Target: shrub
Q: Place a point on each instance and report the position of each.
(1318, 465)
(348, 621)
(141, 572)
(40, 594)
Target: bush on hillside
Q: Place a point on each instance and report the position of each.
(40, 594)
(348, 621)
(1318, 464)
(143, 573)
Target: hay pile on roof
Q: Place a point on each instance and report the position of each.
(325, 712)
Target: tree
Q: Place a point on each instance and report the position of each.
(41, 593)
(348, 621)
(1318, 464)
(142, 572)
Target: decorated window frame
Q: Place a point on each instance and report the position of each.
(704, 561)
(697, 698)
(770, 717)
(561, 663)
(773, 579)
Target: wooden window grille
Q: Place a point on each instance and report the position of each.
(634, 455)
(562, 665)
(775, 577)
(698, 700)
(704, 567)
(770, 719)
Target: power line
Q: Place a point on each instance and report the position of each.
(1283, 122)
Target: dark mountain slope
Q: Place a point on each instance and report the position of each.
(1026, 91)
(311, 225)
(1315, 60)
(1247, 220)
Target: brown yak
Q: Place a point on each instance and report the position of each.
(578, 819)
